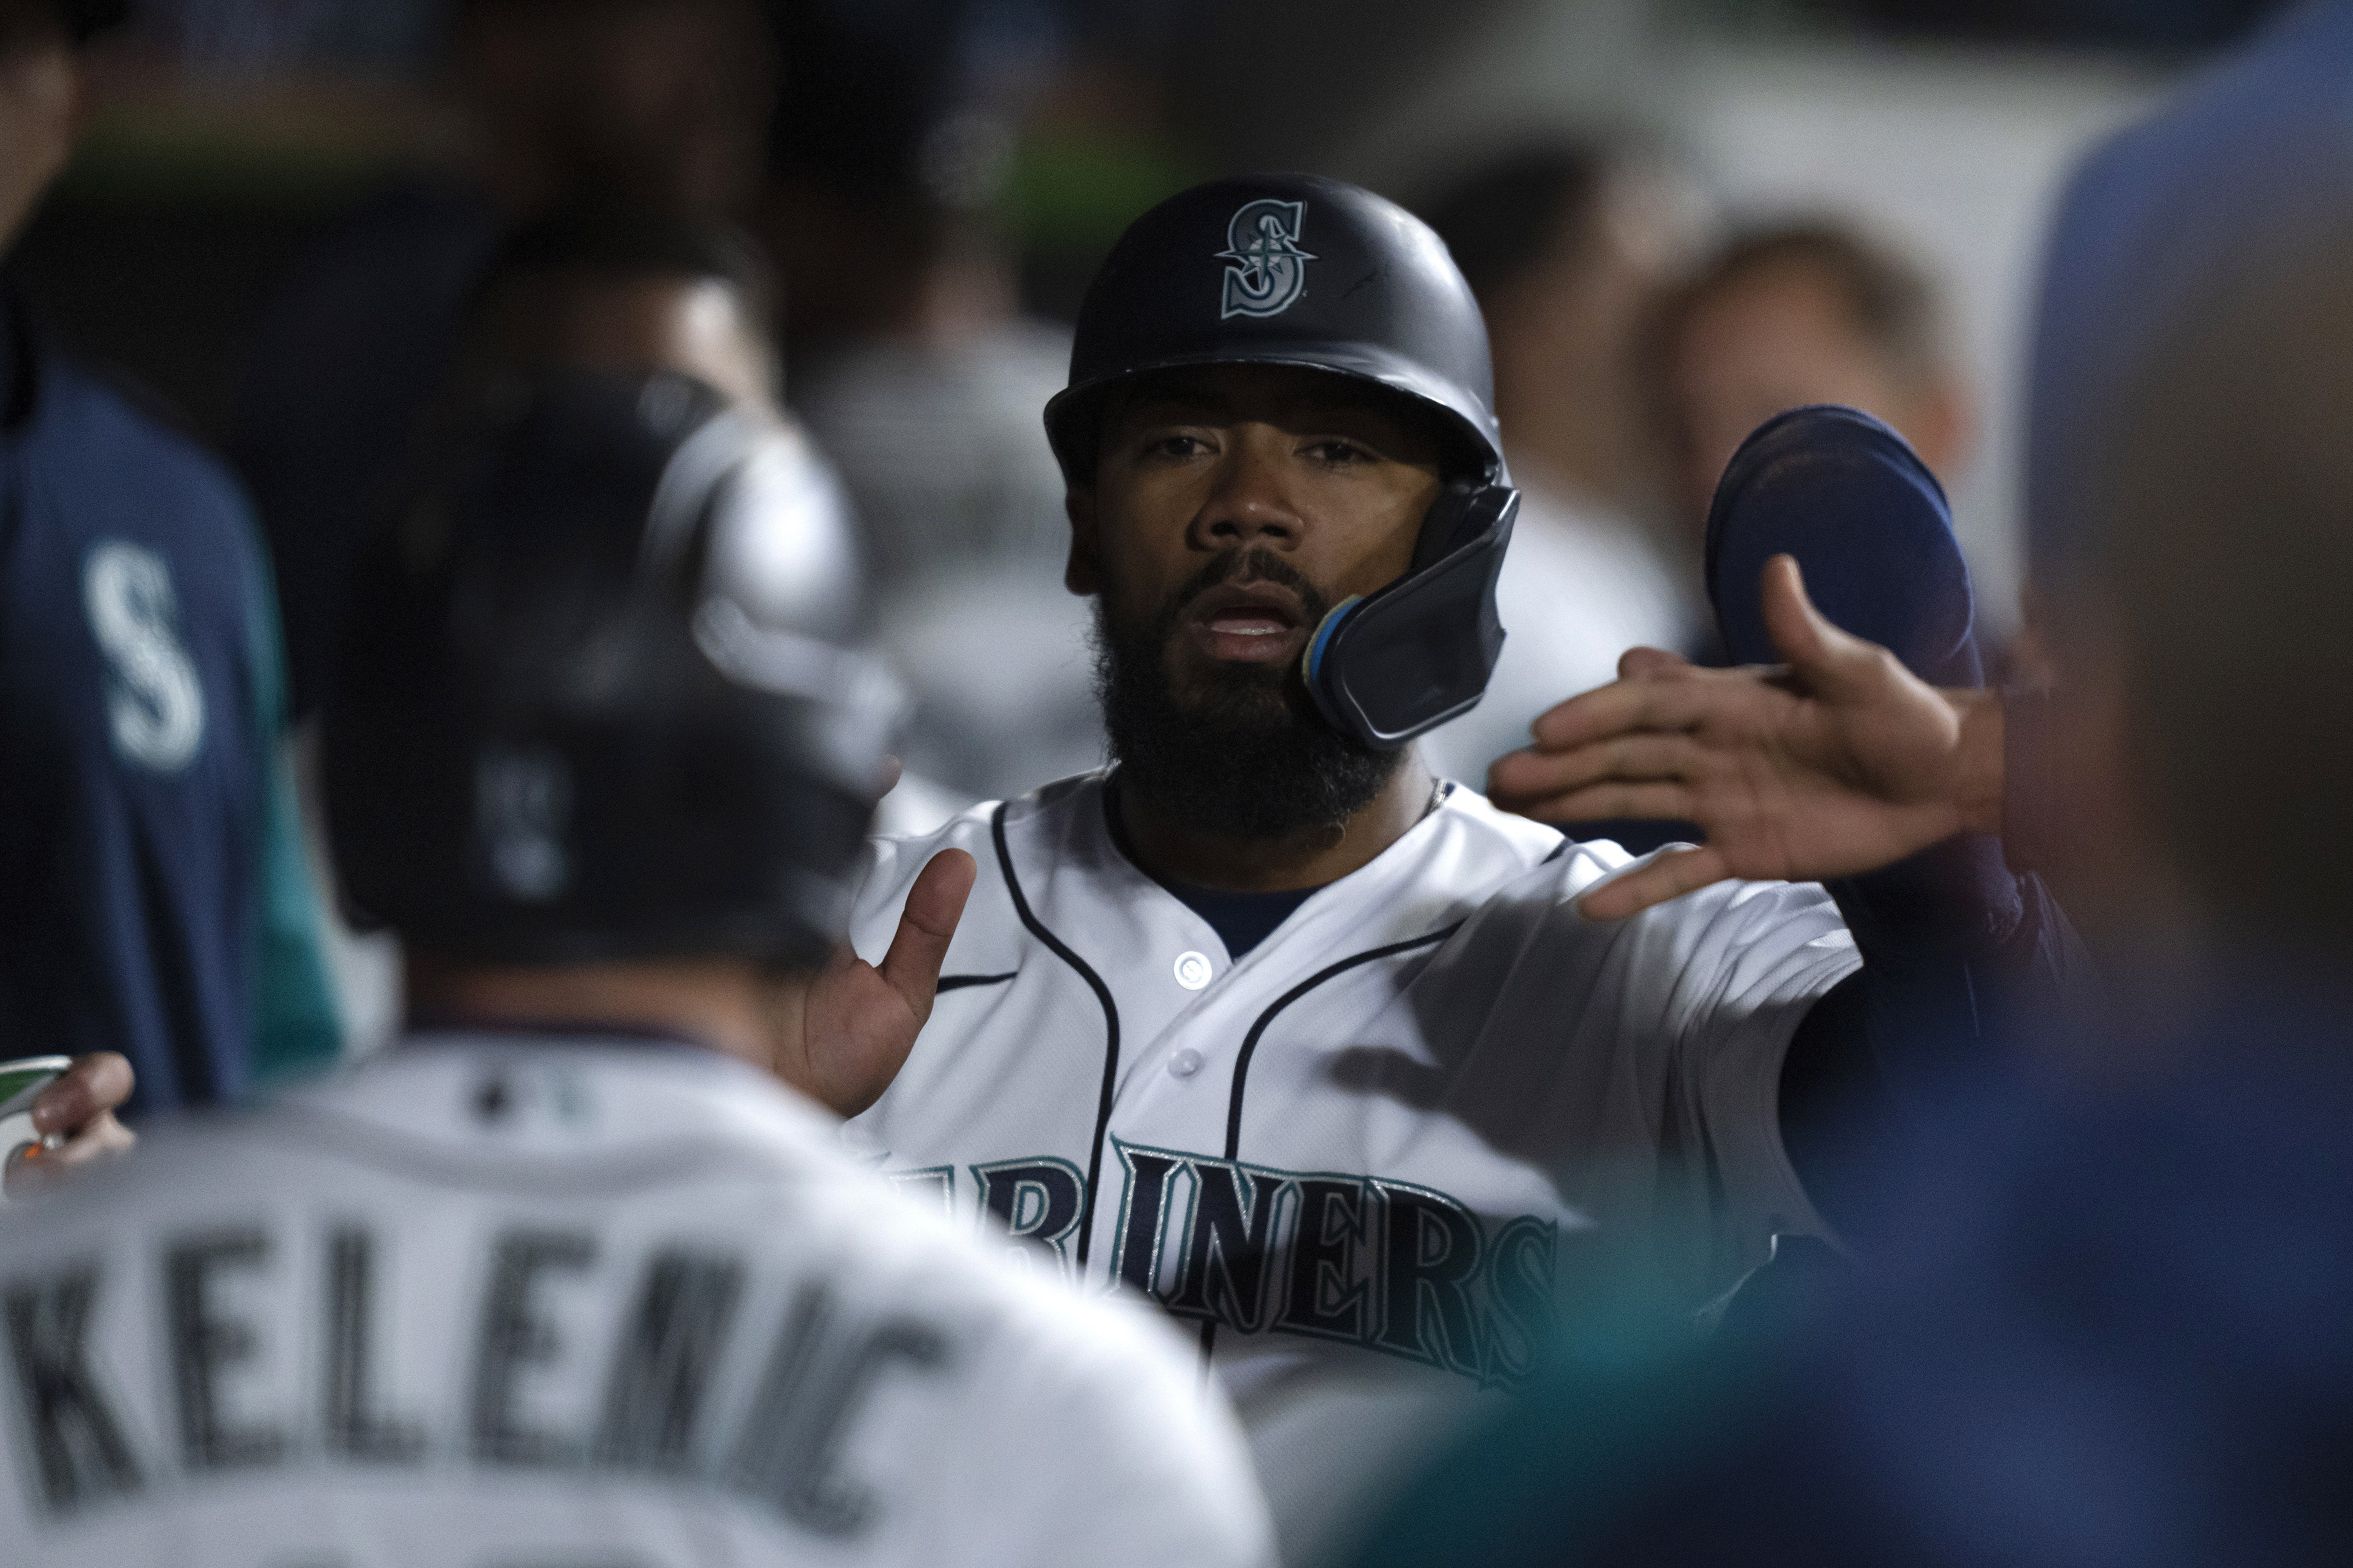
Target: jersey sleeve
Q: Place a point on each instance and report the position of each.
(295, 1025)
(1753, 958)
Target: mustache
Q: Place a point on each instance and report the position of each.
(1258, 564)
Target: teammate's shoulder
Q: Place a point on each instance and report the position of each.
(1492, 834)
(976, 827)
(122, 429)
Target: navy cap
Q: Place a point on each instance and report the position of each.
(1868, 524)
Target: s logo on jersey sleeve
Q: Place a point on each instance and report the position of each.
(1268, 270)
(154, 704)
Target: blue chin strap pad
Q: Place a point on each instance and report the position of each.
(1391, 666)
(1868, 524)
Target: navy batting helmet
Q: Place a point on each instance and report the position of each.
(593, 704)
(1295, 270)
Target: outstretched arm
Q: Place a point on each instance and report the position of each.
(1836, 762)
(1838, 766)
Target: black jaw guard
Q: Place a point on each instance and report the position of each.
(1388, 666)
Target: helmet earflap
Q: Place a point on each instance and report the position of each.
(1388, 666)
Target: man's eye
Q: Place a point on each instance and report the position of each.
(1179, 446)
(1339, 452)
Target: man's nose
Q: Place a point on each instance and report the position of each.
(1249, 504)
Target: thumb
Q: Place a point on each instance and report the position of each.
(935, 905)
(1825, 657)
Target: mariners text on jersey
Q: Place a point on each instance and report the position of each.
(1391, 1139)
(578, 1303)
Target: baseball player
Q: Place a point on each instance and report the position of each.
(1357, 1075)
(565, 1276)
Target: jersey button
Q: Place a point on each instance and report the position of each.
(1192, 970)
(1185, 1064)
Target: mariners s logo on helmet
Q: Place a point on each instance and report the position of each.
(1268, 268)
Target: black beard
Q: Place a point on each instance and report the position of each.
(1248, 757)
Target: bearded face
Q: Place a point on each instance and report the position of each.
(1233, 747)
(1231, 507)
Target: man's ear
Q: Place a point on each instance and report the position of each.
(1083, 574)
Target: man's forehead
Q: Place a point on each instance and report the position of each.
(1232, 389)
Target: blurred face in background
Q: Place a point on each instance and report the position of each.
(1230, 509)
(1566, 332)
(41, 92)
(663, 103)
(630, 324)
(1779, 337)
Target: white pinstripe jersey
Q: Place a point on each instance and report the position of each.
(1369, 1160)
(618, 1304)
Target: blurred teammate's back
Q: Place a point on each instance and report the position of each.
(567, 1275)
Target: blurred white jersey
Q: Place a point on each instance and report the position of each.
(499, 1303)
(1579, 588)
(1371, 1160)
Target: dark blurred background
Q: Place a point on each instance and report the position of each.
(1681, 215)
(232, 133)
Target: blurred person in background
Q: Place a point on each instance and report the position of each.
(608, 285)
(2104, 1322)
(2245, 166)
(2246, 162)
(605, 285)
(660, 102)
(1568, 246)
(1798, 313)
(154, 898)
(568, 1275)
(918, 374)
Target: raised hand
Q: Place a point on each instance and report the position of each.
(1837, 762)
(842, 1034)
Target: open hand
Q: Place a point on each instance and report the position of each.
(1838, 763)
(842, 1034)
(80, 1108)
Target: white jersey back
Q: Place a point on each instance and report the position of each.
(497, 1304)
(1373, 1160)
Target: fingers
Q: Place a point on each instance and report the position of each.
(37, 1167)
(1523, 777)
(102, 1136)
(934, 904)
(1640, 661)
(1665, 698)
(1670, 876)
(1824, 659)
(94, 1084)
(1607, 802)
(1796, 627)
